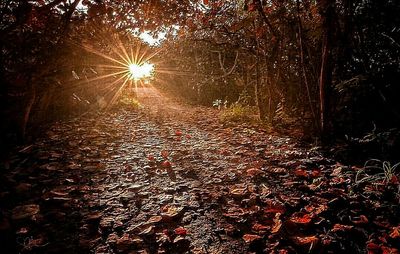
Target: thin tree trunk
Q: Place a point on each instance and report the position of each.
(325, 79)
(28, 110)
(303, 68)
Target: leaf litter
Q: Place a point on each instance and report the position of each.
(155, 180)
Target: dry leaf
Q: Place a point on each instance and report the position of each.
(250, 238)
(277, 223)
(340, 227)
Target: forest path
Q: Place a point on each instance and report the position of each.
(170, 178)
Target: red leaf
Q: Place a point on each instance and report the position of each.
(387, 250)
(373, 248)
(178, 133)
(150, 158)
(301, 172)
(205, 2)
(166, 164)
(300, 218)
(180, 231)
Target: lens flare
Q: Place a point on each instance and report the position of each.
(144, 70)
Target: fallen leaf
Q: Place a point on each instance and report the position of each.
(373, 248)
(147, 231)
(180, 231)
(301, 218)
(171, 212)
(315, 173)
(250, 238)
(254, 172)
(164, 154)
(277, 223)
(25, 211)
(235, 213)
(238, 192)
(178, 133)
(316, 209)
(395, 233)
(301, 172)
(388, 250)
(340, 227)
(307, 240)
(362, 220)
(259, 228)
(154, 219)
(166, 164)
(22, 231)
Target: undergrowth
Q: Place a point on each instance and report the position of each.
(129, 102)
(238, 112)
(381, 174)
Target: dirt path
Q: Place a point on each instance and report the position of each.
(170, 178)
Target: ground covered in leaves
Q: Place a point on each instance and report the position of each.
(168, 178)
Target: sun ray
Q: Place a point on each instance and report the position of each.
(115, 97)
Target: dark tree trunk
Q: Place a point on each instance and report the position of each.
(326, 9)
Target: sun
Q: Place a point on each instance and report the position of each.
(139, 71)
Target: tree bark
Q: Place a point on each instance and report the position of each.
(326, 9)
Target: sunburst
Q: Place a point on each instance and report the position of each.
(129, 67)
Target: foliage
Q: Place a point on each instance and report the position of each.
(377, 172)
(128, 102)
(238, 112)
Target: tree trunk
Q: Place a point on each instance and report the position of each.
(261, 105)
(326, 9)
